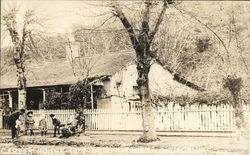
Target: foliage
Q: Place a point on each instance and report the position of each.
(202, 44)
(58, 100)
(80, 94)
(233, 83)
(203, 97)
(53, 100)
(211, 98)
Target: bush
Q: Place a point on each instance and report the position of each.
(80, 95)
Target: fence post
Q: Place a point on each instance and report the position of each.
(1, 119)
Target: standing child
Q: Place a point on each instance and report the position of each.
(30, 123)
(56, 122)
(43, 125)
(80, 123)
(22, 124)
(12, 122)
(18, 127)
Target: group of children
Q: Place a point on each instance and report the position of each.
(27, 123)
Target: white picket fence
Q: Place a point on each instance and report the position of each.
(169, 118)
(64, 116)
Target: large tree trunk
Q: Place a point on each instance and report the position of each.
(149, 132)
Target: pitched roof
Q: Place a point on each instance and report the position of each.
(60, 72)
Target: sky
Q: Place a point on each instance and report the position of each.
(59, 15)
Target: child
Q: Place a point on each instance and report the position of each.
(12, 122)
(56, 122)
(30, 122)
(80, 123)
(21, 124)
(18, 127)
(68, 130)
(43, 125)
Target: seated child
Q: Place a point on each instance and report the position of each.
(68, 130)
(43, 125)
(30, 123)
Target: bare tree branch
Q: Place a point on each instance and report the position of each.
(182, 11)
(158, 21)
(119, 13)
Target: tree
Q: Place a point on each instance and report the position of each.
(20, 36)
(142, 42)
(231, 40)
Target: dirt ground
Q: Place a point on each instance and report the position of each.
(125, 144)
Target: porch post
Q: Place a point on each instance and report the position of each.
(10, 99)
(44, 96)
(92, 98)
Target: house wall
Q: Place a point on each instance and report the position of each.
(104, 103)
(161, 82)
(122, 86)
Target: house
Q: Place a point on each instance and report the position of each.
(114, 74)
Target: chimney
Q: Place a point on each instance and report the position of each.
(72, 49)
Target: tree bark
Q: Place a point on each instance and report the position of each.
(238, 111)
(19, 52)
(141, 43)
(148, 112)
(21, 99)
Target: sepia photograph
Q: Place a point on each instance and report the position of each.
(125, 77)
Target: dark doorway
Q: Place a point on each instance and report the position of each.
(34, 97)
(14, 94)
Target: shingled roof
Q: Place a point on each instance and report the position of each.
(60, 72)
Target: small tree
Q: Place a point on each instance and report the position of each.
(234, 85)
(21, 36)
(80, 95)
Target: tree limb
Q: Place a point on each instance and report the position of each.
(216, 35)
(159, 20)
(145, 19)
(119, 13)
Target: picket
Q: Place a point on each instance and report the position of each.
(64, 116)
(169, 118)
(172, 117)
